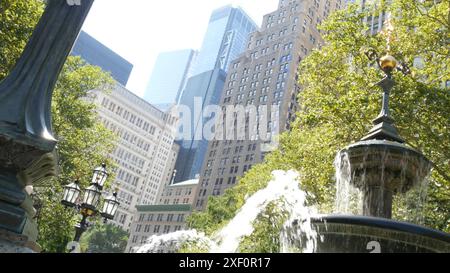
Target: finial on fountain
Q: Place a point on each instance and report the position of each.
(384, 128)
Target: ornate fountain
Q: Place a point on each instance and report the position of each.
(380, 166)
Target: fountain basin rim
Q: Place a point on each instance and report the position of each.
(382, 143)
(383, 224)
(392, 145)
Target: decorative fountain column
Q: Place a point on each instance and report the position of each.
(26, 140)
(381, 165)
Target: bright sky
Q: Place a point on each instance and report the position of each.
(139, 30)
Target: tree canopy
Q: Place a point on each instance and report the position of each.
(105, 238)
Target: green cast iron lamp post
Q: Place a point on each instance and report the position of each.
(88, 205)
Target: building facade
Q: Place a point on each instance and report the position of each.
(145, 152)
(202, 90)
(376, 22)
(95, 53)
(169, 77)
(174, 206)
(225, 39)
(265, 76)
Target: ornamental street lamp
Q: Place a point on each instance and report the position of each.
(90, 202)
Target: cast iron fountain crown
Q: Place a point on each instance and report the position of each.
(384, 128)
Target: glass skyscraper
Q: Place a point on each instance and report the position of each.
(95, 53)
(226, 38)
(169, 77)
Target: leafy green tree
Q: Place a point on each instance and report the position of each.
(338, 102)
(17, 21)
(83, 142)
(105, 238)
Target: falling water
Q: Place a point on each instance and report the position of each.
(410, 198)
(284, 188)
(348, 198)
(173, 242)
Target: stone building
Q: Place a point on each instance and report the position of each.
(174, 206)
(145, 154)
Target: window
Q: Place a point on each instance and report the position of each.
(141, 217)
(169, 217)
(166, 229)
(138, 228)
(180, 218)
(160, 218)
(156, 229)
(147, 228)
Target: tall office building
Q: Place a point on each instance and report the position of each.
(265, 76)
(145, 152)
(169, 77)
(95, 53)
(225, 39)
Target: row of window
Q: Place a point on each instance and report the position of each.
(176, 201)
(156, 229)
(128, 116)
(160, 217)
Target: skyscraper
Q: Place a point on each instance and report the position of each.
(225, 39)
(206, 88)
(264, 77)
(95, 53)
(169, 77)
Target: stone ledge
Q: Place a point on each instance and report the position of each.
(14, 243)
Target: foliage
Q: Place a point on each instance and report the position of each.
(105, 238)
(84, 142)
(339, 100)
(17, 21)
(266, 237)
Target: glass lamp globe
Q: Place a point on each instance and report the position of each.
(71, 194)
(99, 176)
(91, 198)
(110, 206)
